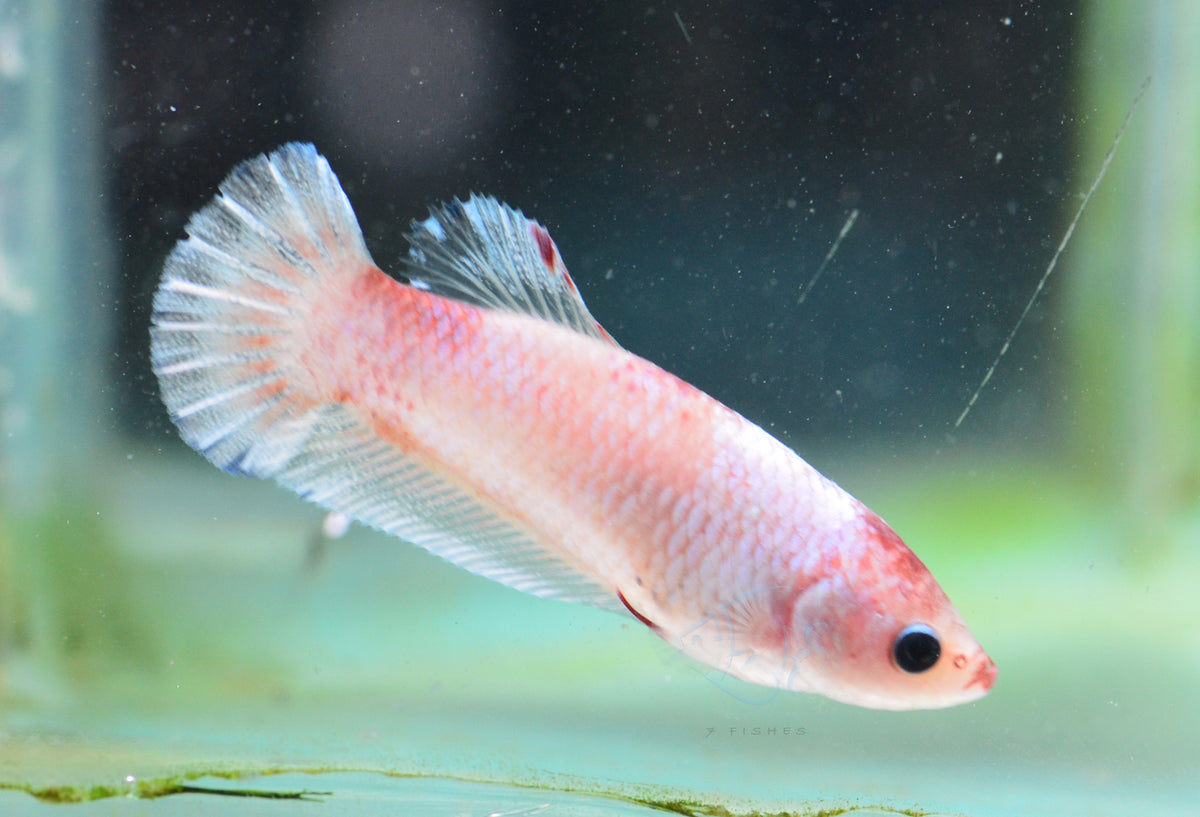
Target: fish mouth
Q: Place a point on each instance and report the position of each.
(984, 676)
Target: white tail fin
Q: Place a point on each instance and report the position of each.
(234, 295)
(229, 332)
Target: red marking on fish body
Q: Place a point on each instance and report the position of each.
(635, 613)
(890, 556)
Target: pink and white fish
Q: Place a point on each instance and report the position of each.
(478, 410)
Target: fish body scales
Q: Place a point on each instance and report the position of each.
(634, 475)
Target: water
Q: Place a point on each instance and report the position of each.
(161, 623)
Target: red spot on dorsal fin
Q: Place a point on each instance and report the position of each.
(545, 244)
(636, 614)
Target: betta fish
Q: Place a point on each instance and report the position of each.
(474, 407)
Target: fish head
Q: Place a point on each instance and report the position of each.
(876, 629)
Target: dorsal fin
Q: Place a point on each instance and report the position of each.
(486, 253)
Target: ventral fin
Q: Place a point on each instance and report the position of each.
(486, 253)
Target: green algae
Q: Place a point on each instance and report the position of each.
(156, 788)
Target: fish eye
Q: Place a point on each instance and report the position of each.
(916, 648)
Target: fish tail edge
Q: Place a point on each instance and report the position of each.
(231, 309)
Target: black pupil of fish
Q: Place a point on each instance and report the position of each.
(917, 648)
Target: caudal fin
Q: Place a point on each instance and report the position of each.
(233, 301)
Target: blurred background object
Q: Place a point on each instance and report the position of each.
(1133, 309)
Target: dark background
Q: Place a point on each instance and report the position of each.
(694, 162)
